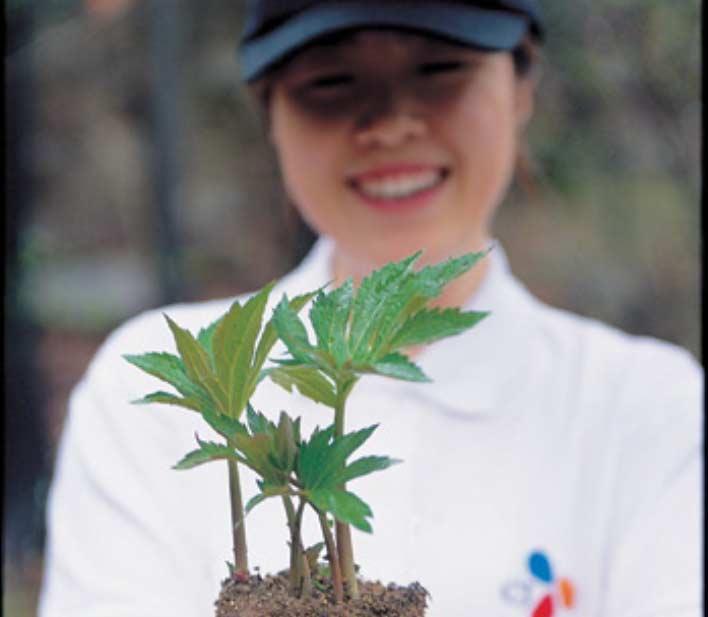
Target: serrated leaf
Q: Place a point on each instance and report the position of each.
(329, 316)
(170, 369)
(414, 293)
(198, 365)
(270, 335)
(166, 398)
(435, 277)
(312, 455)
(223, 340)
(224, 425)
(292, 331)
(396, 365)
(258, 423)
(216, 393)
(429, 325)
(309, 381)
(322, 459)
(205, 339)
(196, 361)
(337, 454)
(345, 506)
(234, 346)
(363, 467)
(371, 301)
(257, 453)
(208, 451)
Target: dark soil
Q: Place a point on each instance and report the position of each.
(269, 597)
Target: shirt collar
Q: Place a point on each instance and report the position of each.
(473, 373)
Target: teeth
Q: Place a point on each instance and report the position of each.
(402, 186)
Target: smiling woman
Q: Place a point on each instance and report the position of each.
(379, 156)
(555, 462)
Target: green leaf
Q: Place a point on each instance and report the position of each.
(309, 381)
(258, 423)
(363, 467)
(284, 444)
(223, 340)
(337, 454)
(292, 331)
(234, 345)
(205, 339)
(372, 299)
(254, 501)
(346, 507)
(312, 455)
(330, 318)
(198, 365)
(270, 335)
(322, 459)
(224, 425)
(168, 399)
(164, 366)
(296, 431)
(196, 361)
(434, 278)
(208, 451)
(170, 369)
(429, 325)
(257, 453)
(414, 293)
(270, 489)
(396, 365)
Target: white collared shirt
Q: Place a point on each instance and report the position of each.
(550, 452)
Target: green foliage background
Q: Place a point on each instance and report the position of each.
(608, 226)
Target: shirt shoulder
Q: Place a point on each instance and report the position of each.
(638, 378)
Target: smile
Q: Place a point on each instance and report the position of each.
(398, 187)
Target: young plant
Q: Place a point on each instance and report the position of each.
(215, 375)
(366, 331)
(310, 471)
(357, 332)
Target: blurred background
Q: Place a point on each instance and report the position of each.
(137, 174)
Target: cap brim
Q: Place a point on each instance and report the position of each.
(486, 29)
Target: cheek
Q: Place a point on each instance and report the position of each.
(486, 143)
(306, 158)
(491, 126)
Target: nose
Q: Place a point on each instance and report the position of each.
(390, 119)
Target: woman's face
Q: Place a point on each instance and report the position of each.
(392, 142)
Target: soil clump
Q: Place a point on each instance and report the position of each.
(269, 596)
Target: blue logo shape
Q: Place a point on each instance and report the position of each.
(540, 566)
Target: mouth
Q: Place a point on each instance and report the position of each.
(385, 188)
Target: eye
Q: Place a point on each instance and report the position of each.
(324, 83)
(441, 68)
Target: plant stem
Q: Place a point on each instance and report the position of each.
(238, 526)
(300, 574)
(346, 558)
(333, 558)
(299, 569)
(306, 575)
(343, 531)
(290, 514)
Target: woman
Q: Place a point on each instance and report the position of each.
(553, 461)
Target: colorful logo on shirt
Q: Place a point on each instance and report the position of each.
(542, 593)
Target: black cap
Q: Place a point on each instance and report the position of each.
(276, 28)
